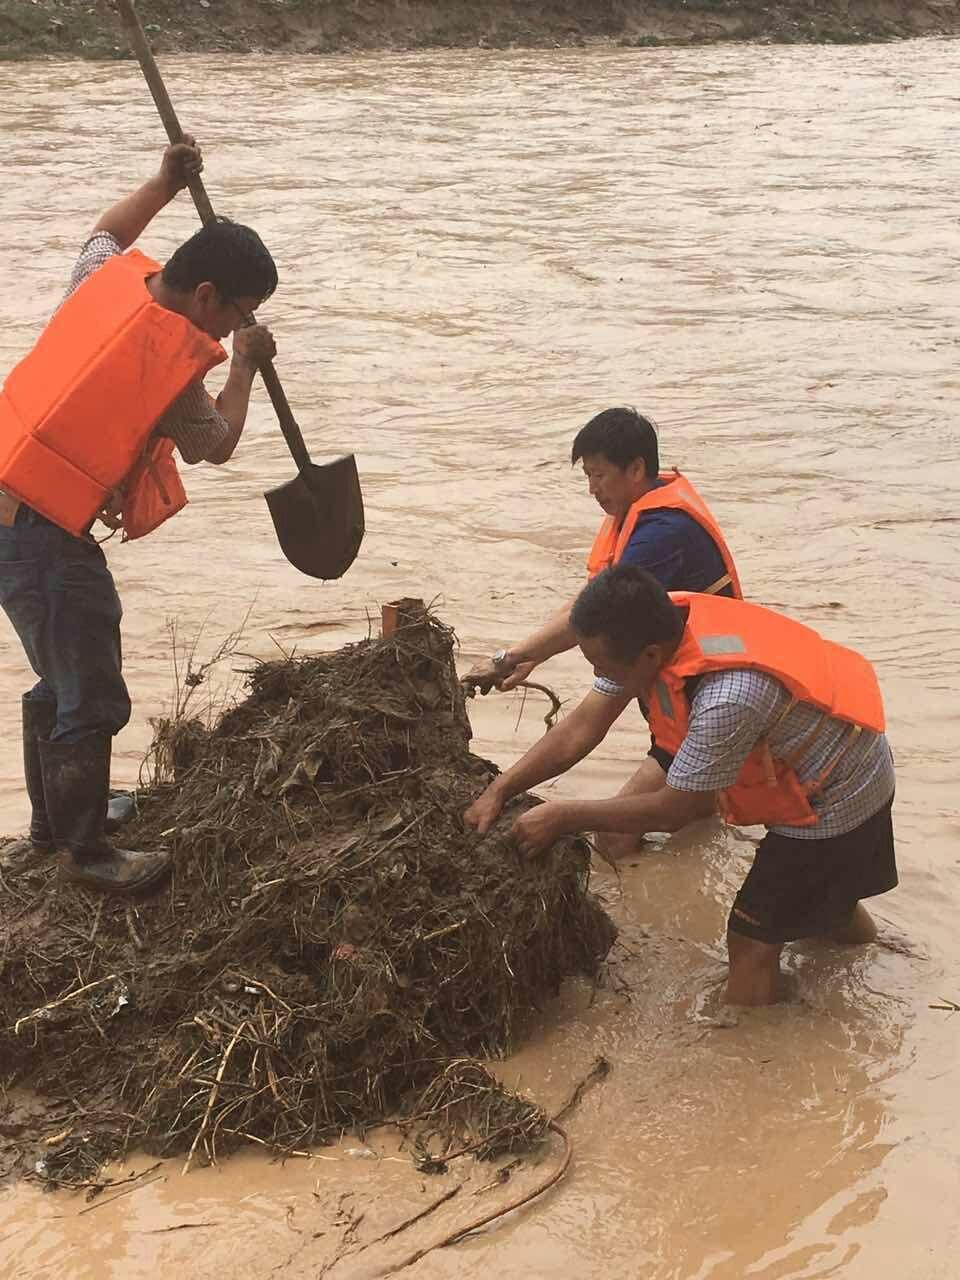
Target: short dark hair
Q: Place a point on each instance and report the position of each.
(628, 609)
(621, 436)
(228, 255)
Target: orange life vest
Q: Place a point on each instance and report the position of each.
(151, 493)
(723, 634)
(676, 493)
(77, 414)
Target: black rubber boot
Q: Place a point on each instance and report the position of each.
(39, 718)
(76, 784)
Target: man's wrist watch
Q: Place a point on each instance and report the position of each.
(499, 659)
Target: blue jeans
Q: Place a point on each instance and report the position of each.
(59, 594)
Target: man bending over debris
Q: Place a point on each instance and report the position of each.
(88, 424)
(761, 717)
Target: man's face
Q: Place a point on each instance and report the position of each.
(635, 676)
(216, 315)
(615, 489)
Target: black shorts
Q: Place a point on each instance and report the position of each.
(802, 888)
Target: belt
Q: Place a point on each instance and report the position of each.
(13, 511)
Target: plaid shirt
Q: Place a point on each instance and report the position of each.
(192, 421)
(731, 710)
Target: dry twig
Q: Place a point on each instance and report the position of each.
(56, 1004)
(460, 1233)
(214, 1091)
(550, 718)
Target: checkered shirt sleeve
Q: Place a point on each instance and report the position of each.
(609, 688)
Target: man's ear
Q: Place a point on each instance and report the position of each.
(206, 294)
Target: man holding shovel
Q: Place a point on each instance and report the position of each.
(88, 423)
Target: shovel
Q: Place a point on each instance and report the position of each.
(318, 515)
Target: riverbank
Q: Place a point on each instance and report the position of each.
(78, 29)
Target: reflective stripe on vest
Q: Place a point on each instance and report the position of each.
(722, 635)
(76, 413)
(677, 494)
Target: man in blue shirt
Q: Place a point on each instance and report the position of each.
(657, 522)
(672, 546)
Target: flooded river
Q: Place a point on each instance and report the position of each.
(759, 246)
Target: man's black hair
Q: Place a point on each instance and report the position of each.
(621, 436)
(628, 609)
(228, 255)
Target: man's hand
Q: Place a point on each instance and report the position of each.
(127, 218)
(537, 829)
(517, 676)
(497, 675)
(486, 675)
(253, 345)
(181, 162)
(484, 811)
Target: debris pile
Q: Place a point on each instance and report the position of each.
(332, 939)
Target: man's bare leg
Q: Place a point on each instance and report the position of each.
(858, 930)
(649, 777)
(755, 976)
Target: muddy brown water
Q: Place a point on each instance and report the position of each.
(760, 247)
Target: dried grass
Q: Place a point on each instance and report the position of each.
(332, 941)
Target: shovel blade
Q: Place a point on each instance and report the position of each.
(318, 517)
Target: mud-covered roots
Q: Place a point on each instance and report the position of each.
(469, 1112)
(332, 939)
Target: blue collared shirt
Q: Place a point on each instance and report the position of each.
(677, 550)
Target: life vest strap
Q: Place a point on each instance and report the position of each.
(818, 783)
(793, 758)
(720, 583)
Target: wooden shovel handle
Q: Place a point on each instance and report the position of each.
(158, 90)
